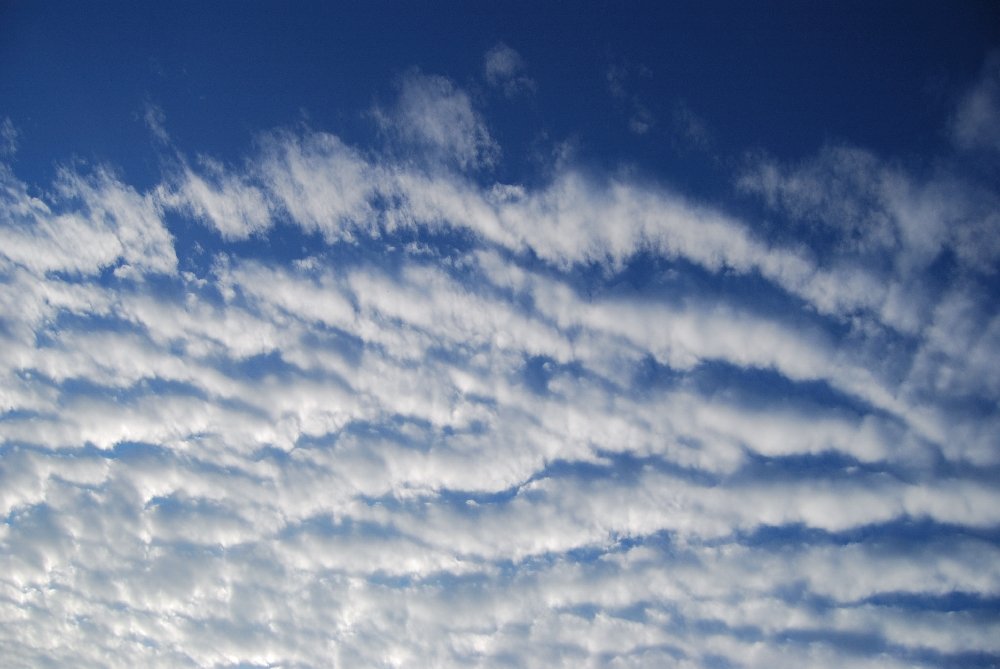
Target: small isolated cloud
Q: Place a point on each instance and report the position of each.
(976, 123)
(8, 138)
(615, 76)
(641, 120)
(438, 118)
(156, 120)
(618, 78)
(691, 127)
(503, 69)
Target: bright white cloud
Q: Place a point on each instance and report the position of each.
(226, 202)
(97, 222)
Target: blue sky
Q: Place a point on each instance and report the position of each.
(516, 336)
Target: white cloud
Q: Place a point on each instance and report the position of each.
(641, 120)
(692, 127)
(234, 207)
(155, 121)
(619, 78)
(503, 68)
(870, 212)
(322, 185)
(406, 453)
(616, 76)
(976, 123)
(439, 119)
(8, 137)
(97, 222)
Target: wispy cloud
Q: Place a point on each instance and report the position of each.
(504, 69)
(619, 78)
(439, 120)
(976, 122)
(8, 137)
(155, 121)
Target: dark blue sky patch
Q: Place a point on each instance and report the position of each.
(537, 372)
(135, 450)
(973, 604)
(858, 644)
(618, 465)
(467, 501)
(74, 322)
(256, 67)
(325, 525)
(680, 282)
(650, 377)
(826, 466)
(867, 644)
(757, 388)
(394, 429)
(20, 415)
(258, 367)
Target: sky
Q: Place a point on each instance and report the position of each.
(500, 334)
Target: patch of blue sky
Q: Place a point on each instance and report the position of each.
(902, 536)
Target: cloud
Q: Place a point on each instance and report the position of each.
(862, 207)
(503, 69)
(692, 128)
(976, 122)
(8, 138)
(619, 80)
(615, 76)
(95, 222)
(230, 204)
(435, 116)
(447, 428)
(155, 121)
(641, 120)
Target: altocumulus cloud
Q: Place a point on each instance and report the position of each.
(450, 433)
